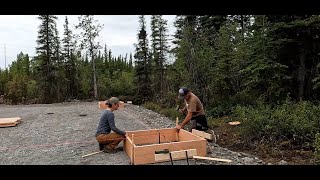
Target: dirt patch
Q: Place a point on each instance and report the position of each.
(229, 137)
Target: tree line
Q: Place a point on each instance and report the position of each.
(225, 59)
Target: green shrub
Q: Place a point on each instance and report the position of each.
(152, 106)
(317, 148)
(171, 113)
(295, 122)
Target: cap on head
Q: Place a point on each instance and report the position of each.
(182, 92)
(113, 100)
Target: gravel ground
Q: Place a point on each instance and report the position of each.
(57, 134)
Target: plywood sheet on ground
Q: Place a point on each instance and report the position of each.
(8, 122)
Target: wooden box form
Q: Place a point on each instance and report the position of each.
(141, 145)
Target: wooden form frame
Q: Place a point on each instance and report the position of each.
(141, 145)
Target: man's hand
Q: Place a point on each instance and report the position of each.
(178, 128)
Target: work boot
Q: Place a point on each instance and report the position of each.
(214, 137)
(107, 150)
(120, 148)
(101, 146)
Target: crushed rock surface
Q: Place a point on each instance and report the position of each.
(61, 133)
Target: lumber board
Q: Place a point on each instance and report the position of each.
(128, 146)
(91, 154)
(146, 154)
(202, 134)
(8, 125)
(176, 155)
(187, 136)
(8, 122)
(146, 137)
(212, 159)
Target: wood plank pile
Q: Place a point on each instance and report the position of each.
(9, 122)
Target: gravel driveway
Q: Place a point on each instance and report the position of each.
(56, 134)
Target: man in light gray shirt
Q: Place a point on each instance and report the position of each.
(109, 140)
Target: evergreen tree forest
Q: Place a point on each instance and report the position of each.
(261, 69)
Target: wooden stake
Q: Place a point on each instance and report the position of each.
(132, 154)
(177, 123)
(91, 154)
(212, 159)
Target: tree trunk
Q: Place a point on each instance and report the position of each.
(94, 79)
(302, 73)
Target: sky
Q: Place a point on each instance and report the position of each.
(18, 33)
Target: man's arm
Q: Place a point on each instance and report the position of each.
(191, 109)
(113, 125)
(186, 119)
(183, 110)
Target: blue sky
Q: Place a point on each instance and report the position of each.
(18, 33)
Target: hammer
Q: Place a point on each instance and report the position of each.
(177, 108)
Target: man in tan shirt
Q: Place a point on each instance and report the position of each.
(194, 109)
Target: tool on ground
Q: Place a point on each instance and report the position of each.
(177, 108)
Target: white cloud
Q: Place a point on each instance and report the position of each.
(19, 33)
